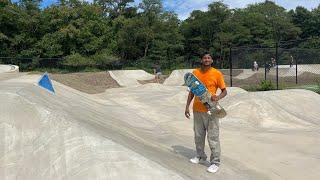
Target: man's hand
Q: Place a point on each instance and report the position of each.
(187, 113)
(215, 98)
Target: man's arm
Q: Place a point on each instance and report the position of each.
(187, 111)
(221, 85)
(220, 96)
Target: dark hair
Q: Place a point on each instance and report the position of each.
(205, 53)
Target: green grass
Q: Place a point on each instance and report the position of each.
(130, 68)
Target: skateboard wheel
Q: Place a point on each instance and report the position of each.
(197, 82)
(188, 89)
(209, 112)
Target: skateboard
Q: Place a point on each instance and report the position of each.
(199, 90)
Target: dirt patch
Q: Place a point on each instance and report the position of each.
(89, 82)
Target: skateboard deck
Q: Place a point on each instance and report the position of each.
(199, 90)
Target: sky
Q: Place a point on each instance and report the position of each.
(184, 7)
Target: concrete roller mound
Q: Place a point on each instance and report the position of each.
(8, 68)
(43, 137)
(129, 78)
(9, 72)
(140, 132)
(176, 77)
(274, 109)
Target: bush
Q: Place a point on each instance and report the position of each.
(49, 70)
(77, 60)
(130, 68)
(91, 69)
(266, 86)
(104, 59)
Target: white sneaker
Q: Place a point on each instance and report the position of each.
(197, 160)
(213, 168)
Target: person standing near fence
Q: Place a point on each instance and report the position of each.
(203, 122)
(291, 61)
(273, 62)
(255, 66)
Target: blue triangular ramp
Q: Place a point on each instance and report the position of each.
(46, 83)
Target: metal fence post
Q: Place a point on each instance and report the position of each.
(230, 65)
(296, 71)
(277, 64)
(265, 69)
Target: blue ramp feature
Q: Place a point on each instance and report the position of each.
(46, 83)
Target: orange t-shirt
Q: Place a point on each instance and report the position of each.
(212, 79)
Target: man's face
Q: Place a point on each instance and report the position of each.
(206, 60)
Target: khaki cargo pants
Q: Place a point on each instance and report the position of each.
(206, 124)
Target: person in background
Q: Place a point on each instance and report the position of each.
(255, 66)
(273, 62)
(157, 73)
(291, 61)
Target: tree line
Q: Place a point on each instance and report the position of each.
(108, 32)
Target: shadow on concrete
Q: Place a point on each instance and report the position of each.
(187, 153)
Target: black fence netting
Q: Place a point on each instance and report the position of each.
(282, 68)
(29, 64)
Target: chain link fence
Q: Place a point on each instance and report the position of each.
(30, 64)
(284, 68)
(27, 64)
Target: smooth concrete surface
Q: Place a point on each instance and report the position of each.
(129, 78)
(176, 77)
(140, 132)
(8, 68)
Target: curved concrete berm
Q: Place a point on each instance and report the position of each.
(129, 78)
(176, 77)
(43, 137)
(9, 72)
(141, 133)
(8, 68)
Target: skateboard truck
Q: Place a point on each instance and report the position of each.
(217, 110)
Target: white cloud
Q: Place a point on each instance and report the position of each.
(184, 7)
(292, 4)
(288, 4)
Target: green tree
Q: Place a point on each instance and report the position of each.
(116, 8)
(273, 23)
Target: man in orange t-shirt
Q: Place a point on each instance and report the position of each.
(203, 122)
